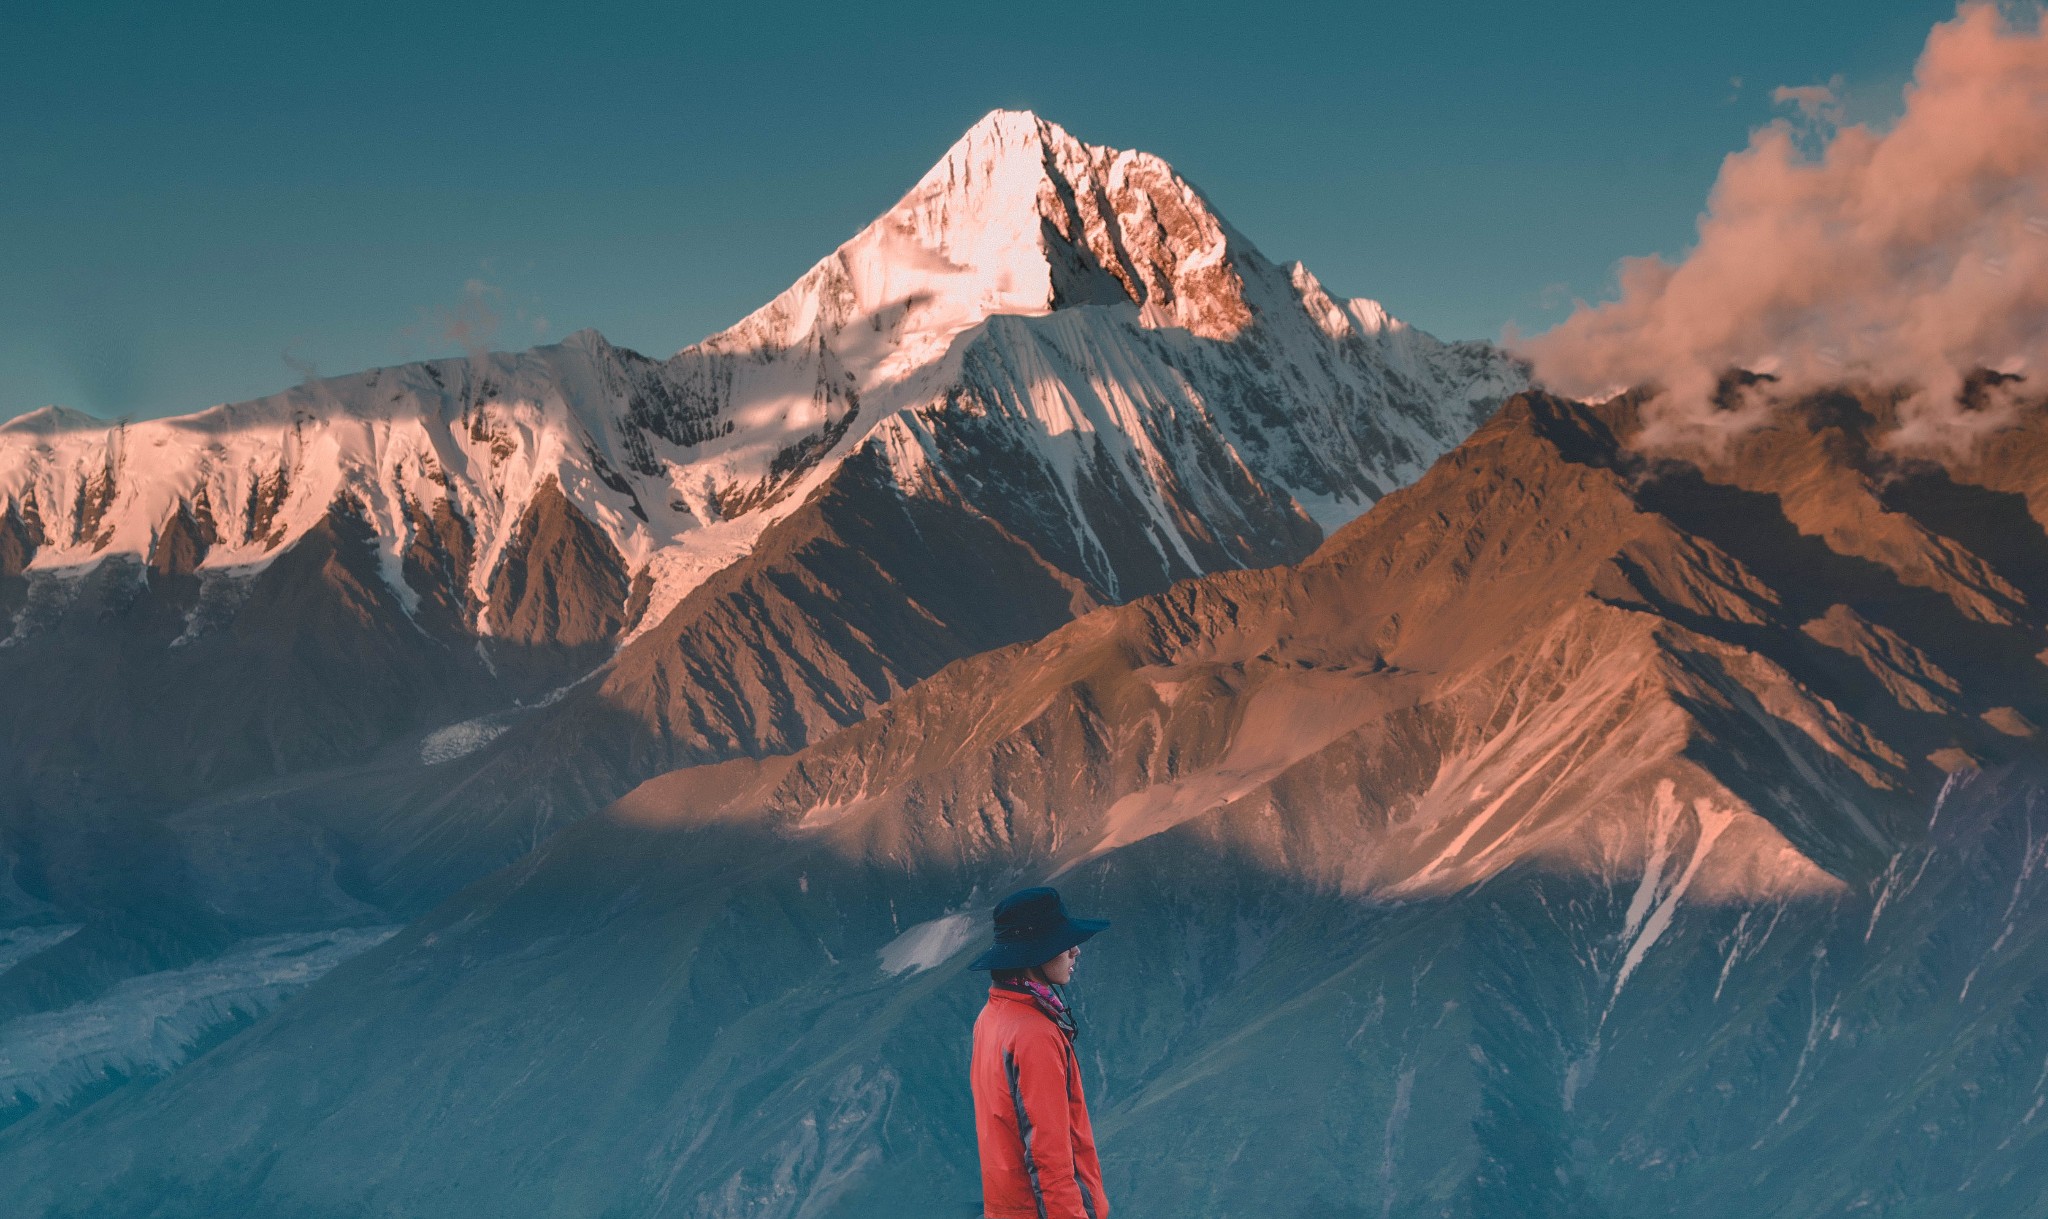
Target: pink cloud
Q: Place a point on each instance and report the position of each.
(1907, 257)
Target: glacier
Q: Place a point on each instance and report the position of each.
(149, 1024)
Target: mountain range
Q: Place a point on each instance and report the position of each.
(310, 664)
(1582, 831)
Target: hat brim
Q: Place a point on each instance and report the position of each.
(1023, 954)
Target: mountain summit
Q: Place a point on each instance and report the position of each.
(1018, 217)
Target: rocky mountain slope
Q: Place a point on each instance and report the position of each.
(1581, 832)
(318, 660)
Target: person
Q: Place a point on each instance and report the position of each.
(1030, 1120)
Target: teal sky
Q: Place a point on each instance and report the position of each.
(201, 203)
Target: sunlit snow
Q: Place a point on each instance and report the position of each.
(682, 463)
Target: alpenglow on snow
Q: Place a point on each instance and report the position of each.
(1086, 299)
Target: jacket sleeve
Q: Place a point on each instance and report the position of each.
(1036, 1070)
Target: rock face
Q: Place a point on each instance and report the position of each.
(1581, 832)
(558, 581)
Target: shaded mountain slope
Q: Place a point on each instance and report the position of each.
(158, 682)
(838, 609)
(717, 1036)
(145, 689)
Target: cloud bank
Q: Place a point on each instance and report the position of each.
(1905, 257)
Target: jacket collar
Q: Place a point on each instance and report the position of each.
(1014, 996)
(1063, 1019)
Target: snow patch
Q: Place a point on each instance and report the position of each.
(465, 738)
(1658, 895)
(928, 944)
(678, 571)
(460, 740)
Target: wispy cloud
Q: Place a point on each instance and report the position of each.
(305, 368)
(1906, 256)
(473, 322)
(482, 313)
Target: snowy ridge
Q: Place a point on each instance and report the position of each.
(1069, 289)
(481, 435)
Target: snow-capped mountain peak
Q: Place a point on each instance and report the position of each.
(1059, 221)
(1189, 373)
(1018, 217)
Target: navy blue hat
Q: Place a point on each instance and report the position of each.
(1033, 927)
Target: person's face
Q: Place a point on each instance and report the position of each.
(1060, 970)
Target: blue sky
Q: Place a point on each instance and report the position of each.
(200, 203)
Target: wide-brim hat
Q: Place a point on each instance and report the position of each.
(1033, 927)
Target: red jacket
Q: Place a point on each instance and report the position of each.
(1037, 1150)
